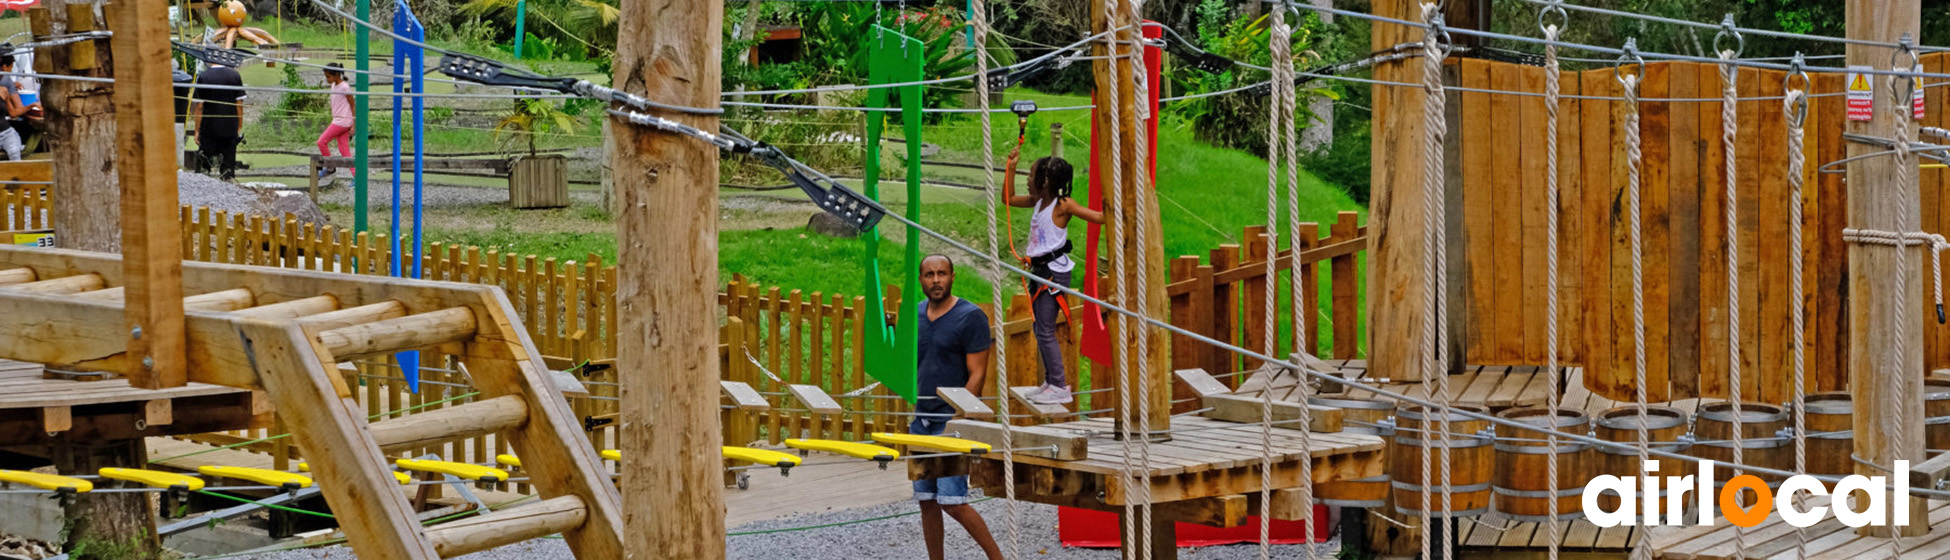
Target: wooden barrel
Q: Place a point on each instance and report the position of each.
(1828, 418)
(1664, 428)
(1760, 429)
(1469, 461)
(1371, 492)
(1360, 416)
(1521, 482)
(1936, 408)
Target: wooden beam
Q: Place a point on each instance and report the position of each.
(1882, 198)
(667, 281)
(1070, 445)
(292, 308)
(432, 328)
(65, 285)
(477, 418)
(1114, 73)
(508, 526)
(1397, 298)
(1246, 409)
(145, 164)
(1201, 382)
(56, 419)
(12, 276)
(814, 399)
(26, 171)
(368, 313)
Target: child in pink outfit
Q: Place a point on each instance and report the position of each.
(341, 128)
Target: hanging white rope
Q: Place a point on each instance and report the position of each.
(1290, 121)
(1551, 91)
(1729, 128)
(978, 11)
(1275, 137)
(1629, 83)
(1141, 255)
(1900, 208)
(1796, 109)
(1115, 191)
(1436, 370)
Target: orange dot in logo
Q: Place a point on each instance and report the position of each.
(1752, 515)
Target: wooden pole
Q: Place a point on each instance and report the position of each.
(667, 269)
(80, 130)
(1874, 374)
(145, 145)
(1130, 125)
(1397, 290)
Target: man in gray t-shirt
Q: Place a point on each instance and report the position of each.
(10, 101)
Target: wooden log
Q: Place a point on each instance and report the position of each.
(508, 526)
(64, 285)
(358, 315)
(405, 333)
(1070, 445)
(13, 276)
(477, 418)
(226, 300)
(1246, 409)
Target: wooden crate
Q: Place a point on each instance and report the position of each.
(540, 181)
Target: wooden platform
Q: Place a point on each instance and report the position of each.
(1775, 539)
(1495, 532)
(33, 408)
(1210, 458)
(1496, 387)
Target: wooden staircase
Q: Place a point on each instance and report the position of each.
(284, 332)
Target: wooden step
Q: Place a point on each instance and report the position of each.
(65, 285)
(405, 333)
(458, 422)
(508, 526)
(369, 313)
(13, 276)
(226, 300)
(293, 309)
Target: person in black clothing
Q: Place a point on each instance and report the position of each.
(954, 352)
(218, 114)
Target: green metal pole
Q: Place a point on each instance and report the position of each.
(360, 82)
(521, 20)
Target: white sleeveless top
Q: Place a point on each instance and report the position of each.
(1045, 236)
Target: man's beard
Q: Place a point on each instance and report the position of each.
(947, 291)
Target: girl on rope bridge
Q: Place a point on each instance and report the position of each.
(1048, 257)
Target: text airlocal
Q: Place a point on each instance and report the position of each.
(1643, 492)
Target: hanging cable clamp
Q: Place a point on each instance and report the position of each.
(1797, 108)
(1629, 57)
(836, 199)
(233, 58)
(1544, 23)
(1904, 91)
(1729, 30)
(491, 72)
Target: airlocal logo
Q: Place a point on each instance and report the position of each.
(1638, 493)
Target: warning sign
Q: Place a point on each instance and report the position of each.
(1861, 95)
(1916, 97)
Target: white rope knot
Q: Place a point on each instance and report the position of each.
(1936, 244)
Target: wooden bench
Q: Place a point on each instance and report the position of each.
(534, 181)
(493, 165)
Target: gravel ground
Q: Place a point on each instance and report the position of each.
(894, 538)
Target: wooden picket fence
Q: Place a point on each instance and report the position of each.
(23, 207)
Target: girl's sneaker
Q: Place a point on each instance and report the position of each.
(1052, 395)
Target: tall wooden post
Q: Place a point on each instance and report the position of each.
(1130, 165)
(1874, 374)
(80, 129)
(673, 488)
(1398, 296)
(145, 163)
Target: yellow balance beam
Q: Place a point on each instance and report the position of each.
(462, 470)
(403, 478)
(508, 460)
(943, 443)
(612, 454)
(761, 457)
(268, 477)
(54, 482)
(154, 479)
(850, 449)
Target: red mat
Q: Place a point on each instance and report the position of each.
(1098, 529)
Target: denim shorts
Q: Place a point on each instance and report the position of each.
(947, 491)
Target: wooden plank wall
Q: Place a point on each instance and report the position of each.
(1683, 228)
(23, 207)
